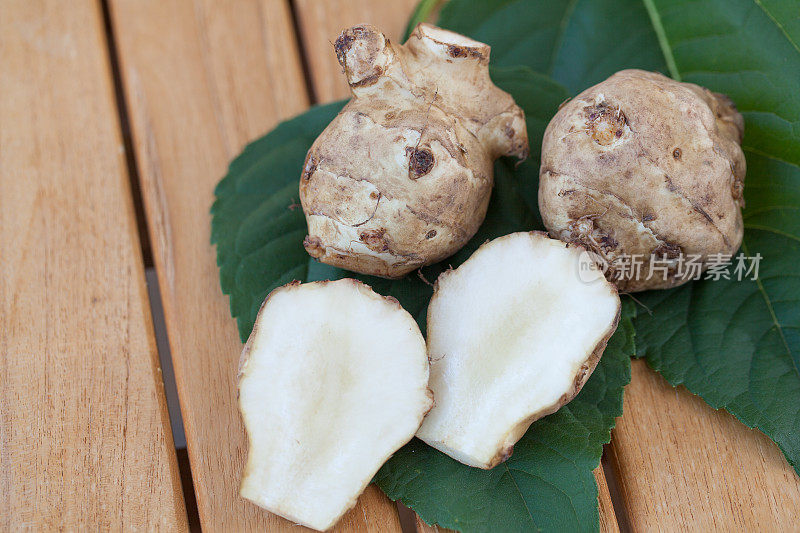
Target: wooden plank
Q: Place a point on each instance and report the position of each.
(321, 22)
(85, 442)
(685, 466)
(201, 80)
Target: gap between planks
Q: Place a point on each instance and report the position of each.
(153, 293)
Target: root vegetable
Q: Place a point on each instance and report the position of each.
(513, 334)
(641, 166)
(402, 176)
(333, 380)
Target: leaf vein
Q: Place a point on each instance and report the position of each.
(663, 42)
(778, 24)
(774, 317)
(522, 496)
(758, 227)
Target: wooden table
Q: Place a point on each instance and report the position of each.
(117, 118)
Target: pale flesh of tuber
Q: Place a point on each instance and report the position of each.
(648, 173)
(401, 178)
(513, 334)
(332, 381)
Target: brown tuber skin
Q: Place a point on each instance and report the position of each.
(641, 165)
(401, 178)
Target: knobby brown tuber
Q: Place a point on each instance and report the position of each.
(401, 178)
(647, 173)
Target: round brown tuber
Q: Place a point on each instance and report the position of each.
(401, 178)
(648, 174)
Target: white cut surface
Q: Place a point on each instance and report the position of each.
(333, 381)
(512, 335)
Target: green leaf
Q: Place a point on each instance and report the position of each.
(546, 485)
(257, 223)
(737, 343)
(747, 49)
(258, 231)
(577, 42)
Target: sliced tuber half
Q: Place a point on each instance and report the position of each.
(333, 380)
(513, 334)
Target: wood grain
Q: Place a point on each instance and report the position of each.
(85, 442)
(320, 24)
(685, 466)
(203, 78)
